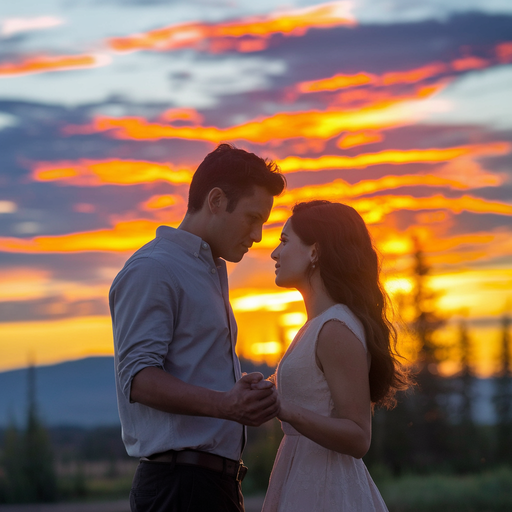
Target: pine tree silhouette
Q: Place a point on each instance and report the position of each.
(27, 457)
(503, 397)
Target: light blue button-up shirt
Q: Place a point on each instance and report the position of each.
(170, 309)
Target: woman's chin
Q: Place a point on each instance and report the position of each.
(279, 282)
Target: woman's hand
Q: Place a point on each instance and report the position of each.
(287, 410)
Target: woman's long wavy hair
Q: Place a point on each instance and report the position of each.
(349, 267)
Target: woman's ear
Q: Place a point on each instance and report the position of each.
(315, 253)
(216, 199)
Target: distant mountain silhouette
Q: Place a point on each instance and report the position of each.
(82, 393)
(72, 393)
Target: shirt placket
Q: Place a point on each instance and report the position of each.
(222, 283)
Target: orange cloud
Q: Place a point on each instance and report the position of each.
(124, 236)
(45, 64)
(351, 140)
(504, 52)
(281, 126)
(341, 81)
(223, 36)
(467, 170)
(118, 172)
(374, 209)
(20, 283)
(182, 114)
(336, 82)
(341, 190)
(467, 63)
(413, 75)
(390, 156)
(162, 201)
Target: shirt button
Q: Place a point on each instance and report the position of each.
(205, 245)
(196, 255)
(213, 271)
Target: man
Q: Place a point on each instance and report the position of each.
(182, 399)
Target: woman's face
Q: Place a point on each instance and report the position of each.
(292, 258)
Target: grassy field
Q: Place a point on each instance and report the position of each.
(486, 492)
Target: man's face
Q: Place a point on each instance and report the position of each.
(233, 234)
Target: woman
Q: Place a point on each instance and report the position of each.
(340, 364)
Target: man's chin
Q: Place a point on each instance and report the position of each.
(234, 258)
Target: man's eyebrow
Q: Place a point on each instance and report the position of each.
(283, 233)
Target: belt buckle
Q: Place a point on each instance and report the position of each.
(241, 472)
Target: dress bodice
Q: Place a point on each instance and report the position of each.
(299, 379)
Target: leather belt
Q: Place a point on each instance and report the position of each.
(230, 467)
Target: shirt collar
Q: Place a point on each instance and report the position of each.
(193, 244)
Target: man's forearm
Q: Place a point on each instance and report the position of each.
(160, 390)
(251, 401)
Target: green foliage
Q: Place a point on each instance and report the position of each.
(259, 455)
(470, 493)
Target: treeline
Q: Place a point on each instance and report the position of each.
(433, 426)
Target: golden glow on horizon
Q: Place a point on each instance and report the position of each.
(47, 342)
(266, 348)
(222, 37)
(265, 301)
(43, 64)
(21, 284)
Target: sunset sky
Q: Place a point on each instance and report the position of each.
(401, 109)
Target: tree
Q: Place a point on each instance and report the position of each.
(466, 439)
(414, 434)
(28, 458)
(430, 422)
(12, 485)
(503, 396)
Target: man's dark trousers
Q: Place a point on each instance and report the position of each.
(169, 487)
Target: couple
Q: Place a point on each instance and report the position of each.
(183, 401)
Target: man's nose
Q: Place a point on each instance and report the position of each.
(257, 233)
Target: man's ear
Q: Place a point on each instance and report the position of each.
(217, 200)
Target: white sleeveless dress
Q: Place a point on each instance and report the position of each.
(307, 477)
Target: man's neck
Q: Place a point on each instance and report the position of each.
(193, 223)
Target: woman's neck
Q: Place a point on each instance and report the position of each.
(316, 298)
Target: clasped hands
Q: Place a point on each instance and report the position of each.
(253, 400)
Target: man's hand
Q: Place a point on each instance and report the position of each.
(251, 401)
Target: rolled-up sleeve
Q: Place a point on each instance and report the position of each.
(143, 305)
